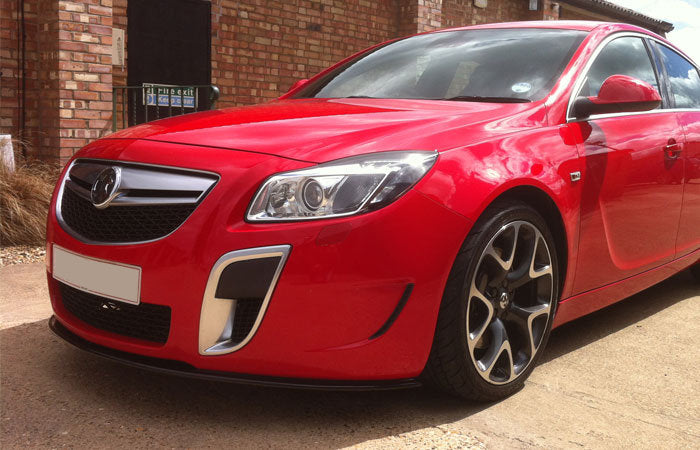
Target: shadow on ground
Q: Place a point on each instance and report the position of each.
(54, 395)
(628, 312)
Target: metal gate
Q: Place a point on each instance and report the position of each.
(168, 60)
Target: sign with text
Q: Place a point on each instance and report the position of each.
(118, 47)
(168, 95)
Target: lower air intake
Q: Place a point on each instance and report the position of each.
(239, 289)
(145, 321)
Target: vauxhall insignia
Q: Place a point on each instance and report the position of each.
(106, 187)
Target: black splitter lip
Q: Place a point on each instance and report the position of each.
(182, 369)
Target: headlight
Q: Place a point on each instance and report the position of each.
(340, 188)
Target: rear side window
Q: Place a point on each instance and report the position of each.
(622, 56)
(683, 78)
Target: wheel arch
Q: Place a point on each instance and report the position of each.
(545, 206)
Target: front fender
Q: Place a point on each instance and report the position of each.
(468, 179)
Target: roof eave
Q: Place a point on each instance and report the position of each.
(607, 8)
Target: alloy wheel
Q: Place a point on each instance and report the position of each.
(509, 302)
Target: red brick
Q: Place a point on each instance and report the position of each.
(86, 114)
(100, 49)
(74, 46)
(72, 123)
(100, 10)
(100, 87)
(99, 124)
(86, 95)
(100, 105)
(99, 29)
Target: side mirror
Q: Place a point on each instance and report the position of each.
(619, 93)
(297, 85)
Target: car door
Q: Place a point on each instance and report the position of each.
(684, 86)
(631, 189)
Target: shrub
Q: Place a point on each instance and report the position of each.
(25, 195)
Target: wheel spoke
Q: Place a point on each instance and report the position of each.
(527, 272)
(473, 337)
(542, 271)
(525, 317)
(499, 345)
(496, 254)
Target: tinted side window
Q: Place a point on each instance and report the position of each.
(622, 56)
(684, 79)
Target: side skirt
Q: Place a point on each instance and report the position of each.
(585, 303)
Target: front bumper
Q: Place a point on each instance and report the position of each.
(340, 286)
(178, 368)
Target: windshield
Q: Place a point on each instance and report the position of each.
(499, 65)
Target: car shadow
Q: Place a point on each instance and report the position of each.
(52, 392)
(623, 314)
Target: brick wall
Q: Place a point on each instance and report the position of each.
(260, 49)
(27, 139)
(47, 89)
(85, 72)
(418, 16)
(68, 79)
(9, 67)
(463, 12)
(119, 20)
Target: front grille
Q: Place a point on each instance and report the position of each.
(121, 223)
(145, 321)
(121, 202)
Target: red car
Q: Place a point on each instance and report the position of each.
(425, 211)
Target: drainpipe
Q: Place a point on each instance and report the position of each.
(21, 79)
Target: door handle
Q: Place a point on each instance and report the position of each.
(673, 149)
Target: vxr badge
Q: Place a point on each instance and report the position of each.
(106, 187)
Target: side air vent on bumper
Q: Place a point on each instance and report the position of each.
(236, 297)
(119, 203)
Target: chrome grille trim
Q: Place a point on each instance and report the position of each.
(142, 185)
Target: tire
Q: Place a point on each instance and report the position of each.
(466, 359)
(695, 271)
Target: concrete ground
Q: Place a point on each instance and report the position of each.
(626, 376)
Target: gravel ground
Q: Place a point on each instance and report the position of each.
(21, 254)
(437, 437)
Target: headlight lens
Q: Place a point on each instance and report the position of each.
(340, 188)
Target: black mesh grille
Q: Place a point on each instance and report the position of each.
(121, 223)
(246, 312)
(144, 321)
(247, 282)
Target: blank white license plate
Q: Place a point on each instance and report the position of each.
(117, 281)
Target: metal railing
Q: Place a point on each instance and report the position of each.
(133, 105)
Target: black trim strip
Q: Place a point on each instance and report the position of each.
(180, 368)
(395, 314)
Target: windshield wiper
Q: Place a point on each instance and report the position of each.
(476, 98)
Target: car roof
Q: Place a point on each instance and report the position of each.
(583, 25)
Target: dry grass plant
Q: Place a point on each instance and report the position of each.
(25, 195)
